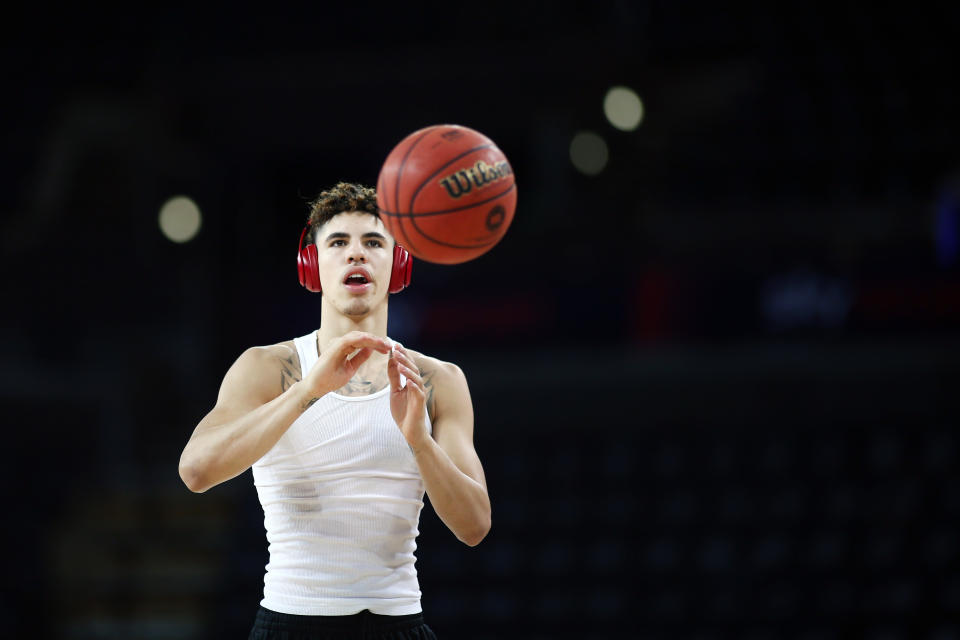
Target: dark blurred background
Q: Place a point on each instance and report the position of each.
(715, 375)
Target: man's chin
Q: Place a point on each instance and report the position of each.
(356, 309)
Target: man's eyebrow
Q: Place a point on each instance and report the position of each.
(343, 234)
(337, 234)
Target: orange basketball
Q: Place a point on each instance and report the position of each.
(446, 193)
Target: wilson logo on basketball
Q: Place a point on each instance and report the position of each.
(478, 176)
(495, 218)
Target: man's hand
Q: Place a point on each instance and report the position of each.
(340, 360)
(408, 403)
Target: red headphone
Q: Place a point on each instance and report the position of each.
(309, 271)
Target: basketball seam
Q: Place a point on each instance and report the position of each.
(451, 245)
(454, 210)
(396, 195)
(459, 246)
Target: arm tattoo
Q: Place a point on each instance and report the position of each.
(289, 372)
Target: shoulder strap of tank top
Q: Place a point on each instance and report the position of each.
(307, 351)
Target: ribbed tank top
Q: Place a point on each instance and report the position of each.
(341, 495)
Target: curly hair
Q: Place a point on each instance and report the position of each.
(343, 197)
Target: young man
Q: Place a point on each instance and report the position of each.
(345, 429)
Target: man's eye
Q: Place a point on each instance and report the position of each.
(337, 243)
(374, 243)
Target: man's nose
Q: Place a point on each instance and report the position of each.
(357, 253)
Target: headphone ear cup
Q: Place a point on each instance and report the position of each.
(402, 269)
(308, 269)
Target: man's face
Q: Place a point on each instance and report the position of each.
(355, 259)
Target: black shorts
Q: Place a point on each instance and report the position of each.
(270, 625)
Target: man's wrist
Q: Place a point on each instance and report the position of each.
(422, 444)
(304, 395)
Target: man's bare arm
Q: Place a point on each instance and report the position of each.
(452, 474)
(261, 395)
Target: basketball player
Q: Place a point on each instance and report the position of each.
(344, 430)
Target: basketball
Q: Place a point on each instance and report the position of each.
(447, 194)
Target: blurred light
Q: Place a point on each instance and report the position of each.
(947, 228)
(623, 108)
(180, 219)
(588, 153)
(805, 299)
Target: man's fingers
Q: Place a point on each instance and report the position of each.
(373, 342)
(411, 372)
(405, 360)
(359, 339)
(359, 358)
(411, 376)
(393, 374)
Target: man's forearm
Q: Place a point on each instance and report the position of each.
(460, 501)
(217, 453)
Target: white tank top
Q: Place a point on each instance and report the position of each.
(341, 495)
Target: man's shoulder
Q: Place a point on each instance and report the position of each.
(272, 356)
(269, 351)
(445, 383)
(261, 364)
(440, 371)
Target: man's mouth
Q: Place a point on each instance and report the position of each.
(356, 281)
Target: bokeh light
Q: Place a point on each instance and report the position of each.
(623, 108)
(180, 219)
(588, 153)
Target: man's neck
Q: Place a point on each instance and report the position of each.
(372, 374)
(334, 324)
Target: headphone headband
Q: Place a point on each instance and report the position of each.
(302, 236)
